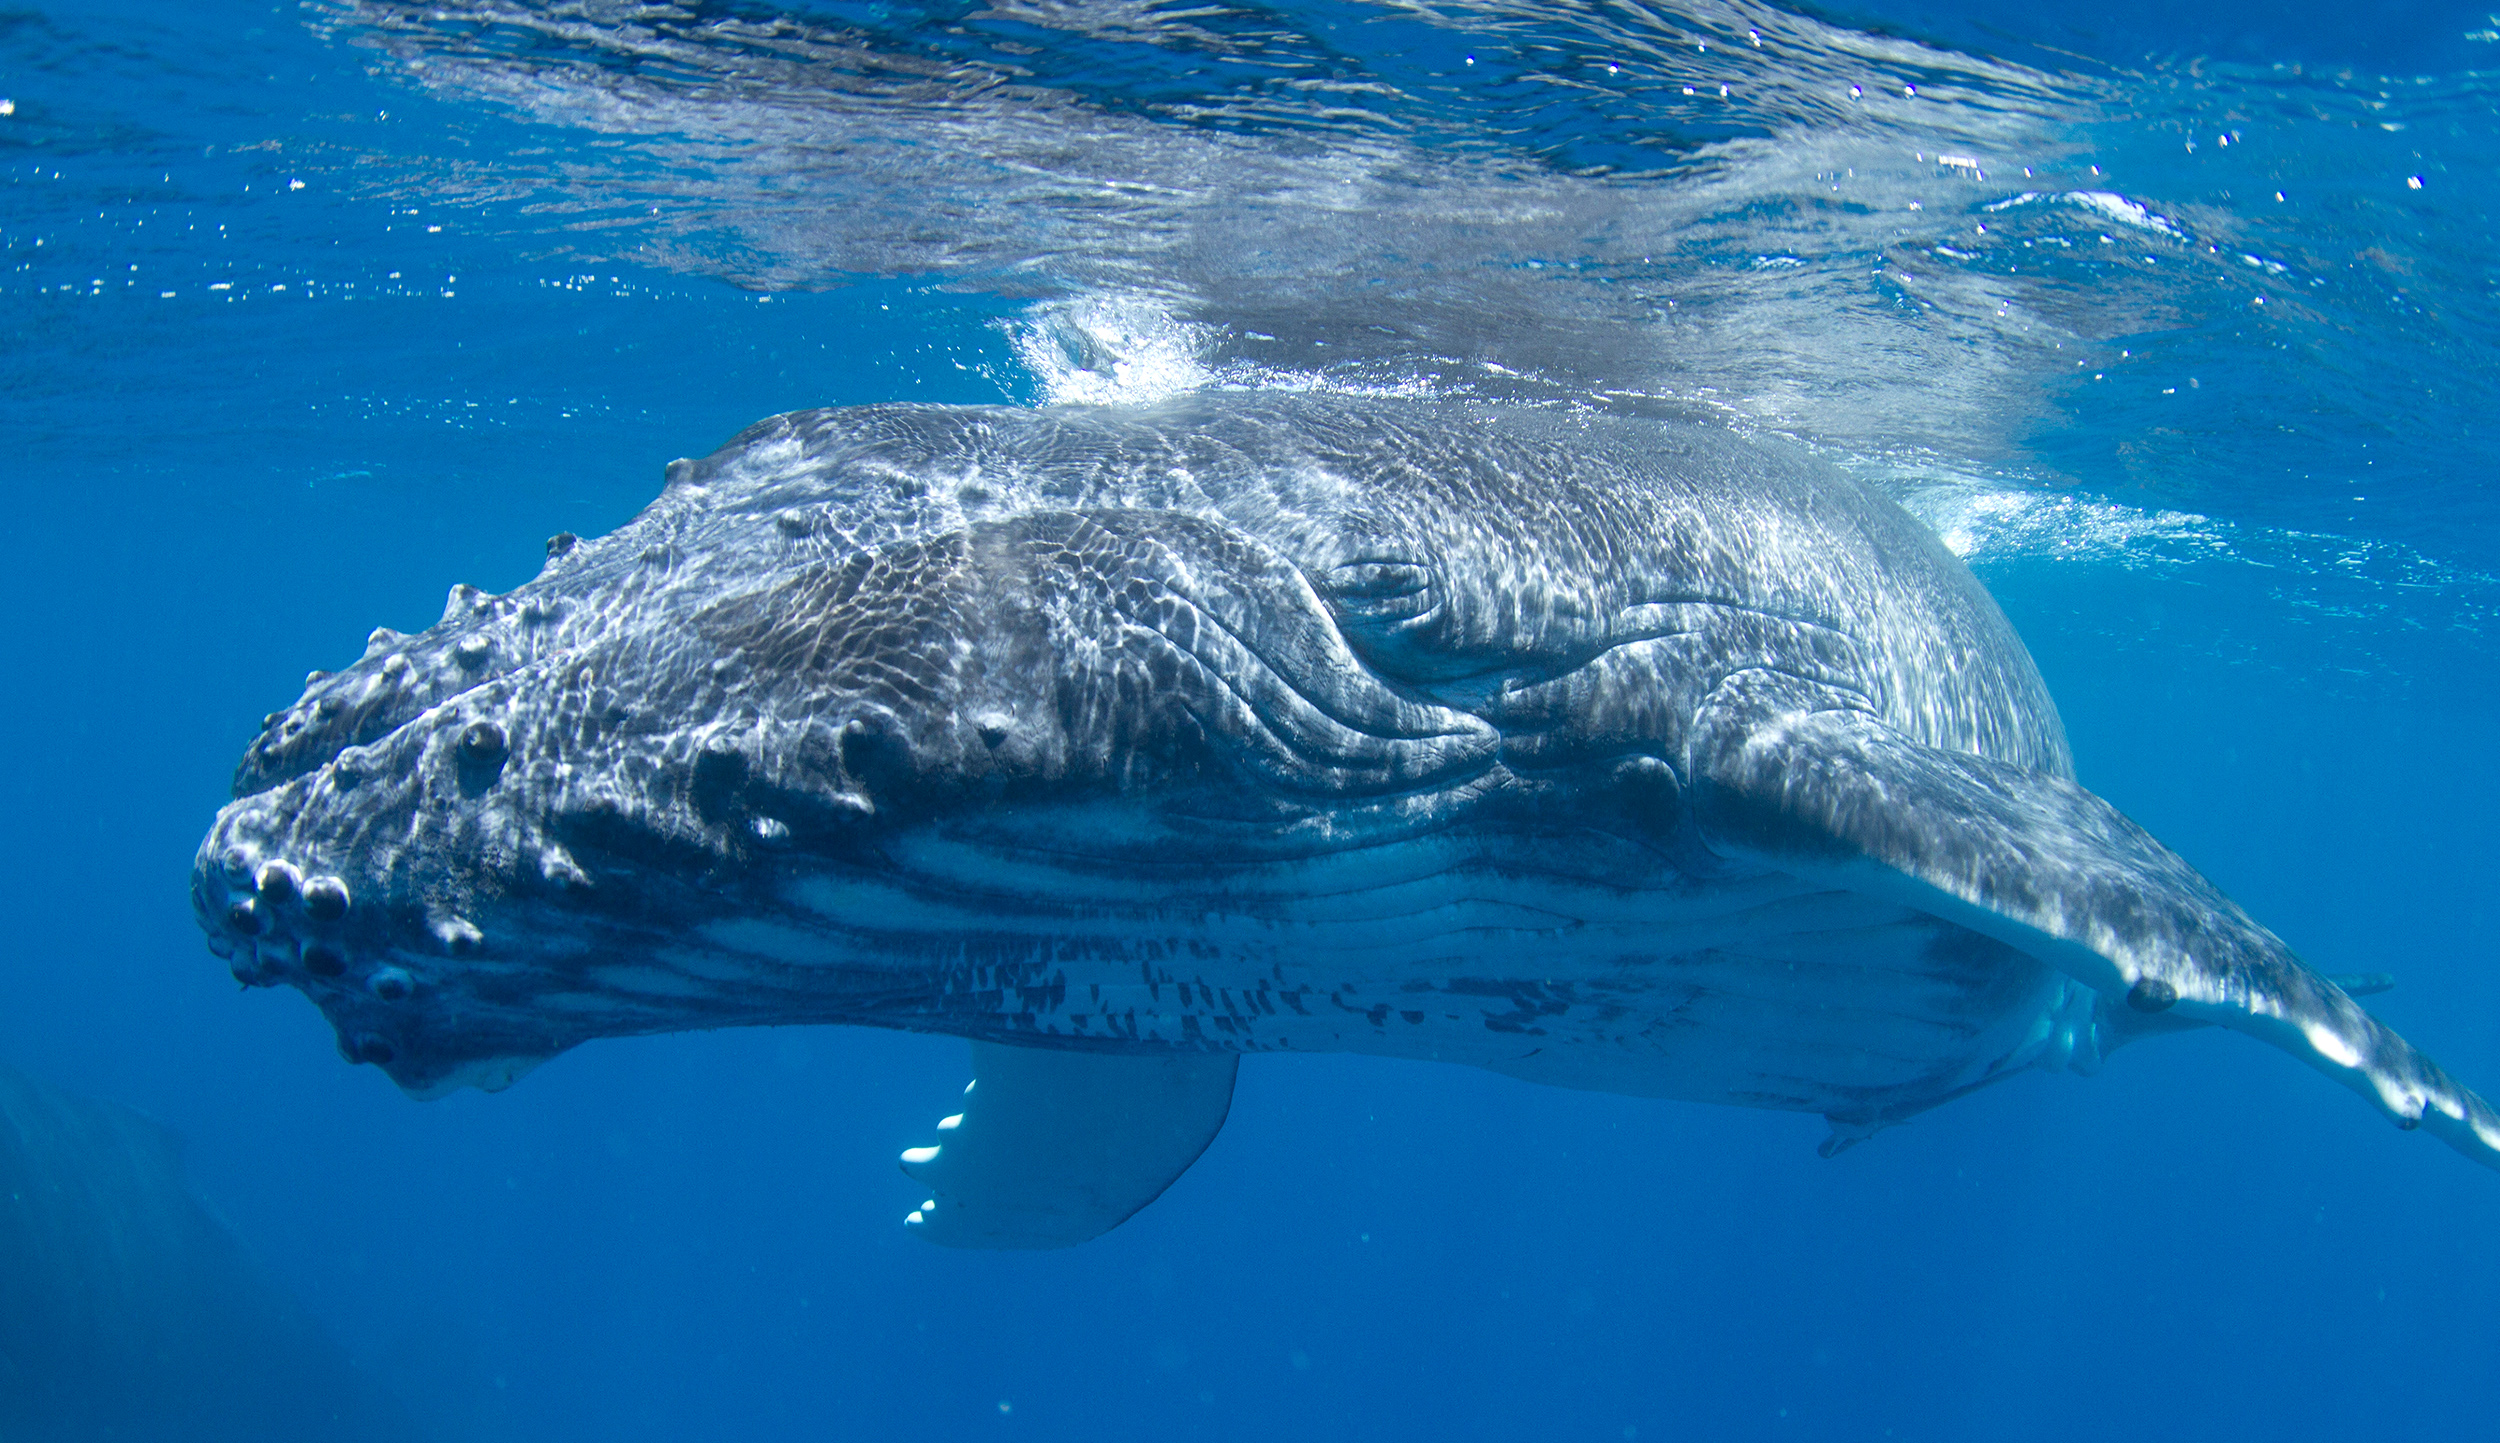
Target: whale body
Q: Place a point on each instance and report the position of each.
(129, 1310)
(1626, 755)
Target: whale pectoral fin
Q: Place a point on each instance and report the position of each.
(1806, 778)
(1055, 1147)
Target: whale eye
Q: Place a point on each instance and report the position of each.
(874, 753)
(720, 776)
(1357, 580)
(391, 984)
(1381, 592)
(1394, 611)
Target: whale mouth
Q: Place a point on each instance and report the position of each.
(278, 922)
(486, 1074)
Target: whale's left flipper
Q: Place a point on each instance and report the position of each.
(1055, 1147)
(1807, 778)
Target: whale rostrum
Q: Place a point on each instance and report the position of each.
(1626, 755)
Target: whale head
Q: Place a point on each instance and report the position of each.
(776, 750)
(660, 786)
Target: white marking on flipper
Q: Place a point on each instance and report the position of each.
(2332, 1047)
(1063, 1146)
(1792, 774)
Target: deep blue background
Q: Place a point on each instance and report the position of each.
(697, 1236)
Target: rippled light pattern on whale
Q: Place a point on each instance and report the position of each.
(1619, 755)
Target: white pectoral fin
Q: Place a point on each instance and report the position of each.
(1798, 777)
(1054, 1147)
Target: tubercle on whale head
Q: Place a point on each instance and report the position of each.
(398, 677)
(508, 868)
(480, 637)
(457, 925)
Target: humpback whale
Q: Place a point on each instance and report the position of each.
(1628, 755)
(128, 1309)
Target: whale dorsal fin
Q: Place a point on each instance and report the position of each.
(1054, 1147)
(1805, 777)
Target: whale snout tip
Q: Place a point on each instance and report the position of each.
(276, 919)
(266, 914)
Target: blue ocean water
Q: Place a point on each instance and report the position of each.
(2178, 321)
